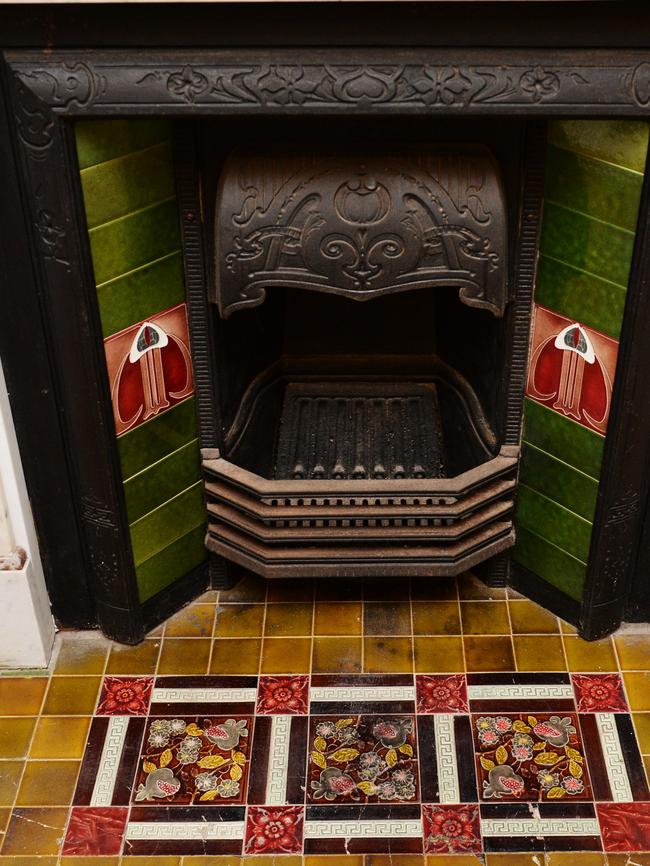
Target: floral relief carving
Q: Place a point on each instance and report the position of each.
(540, 84)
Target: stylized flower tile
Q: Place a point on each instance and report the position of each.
(451, 829)
(441, 694)
(526, 757)
(599, 693)
(274, 829)
(283, 695)
(363, 759)
(625, 826)
(194, 761)
(95, 831)
(125, 696)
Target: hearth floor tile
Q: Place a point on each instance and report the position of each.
(386, 737)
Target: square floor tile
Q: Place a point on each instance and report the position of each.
(489, 653)
(290, 655)
(485, 617)
(388, 654)
(274, 830)
(125, 696)
(446, 693)
(95, 831)
(283, 695)
(232, 656)
(433, 654)
(599, 693)
(451, 829)
(337, 655)
(625, 826)
(34, 832)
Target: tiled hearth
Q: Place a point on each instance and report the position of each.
(301, 720)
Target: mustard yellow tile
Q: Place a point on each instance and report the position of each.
(328, 860)
(387, 618)
(201, 861)
(35, 831)
(288, 619)
(628, 859)
(195, 620)
(436, 617)
(169, 860)
(141, 659)
(270, 860)
(438, 655)
(454, 860)
(567, 628)
(575, 858)
(521, 859)
(21, 696)
(286, 655)
(539, 653)
(5, 814)
(71, 696)
(184, 656)
(527, 617)
(484, 617)
(646, 766)
(335, 617)
(6, 860)
(334, 654)
(637, 685)
(490, 653)
(48, 783)
(633, 652)
(388, 655)
(589, 656)
(642, 728)
(394, 860)
(232, 656)
(81, 654)
(10, 773)
(60, 737)
(471, 588)
(15, 737)
(100, 861)
(239, 620)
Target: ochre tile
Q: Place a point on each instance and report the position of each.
(232, 656)
(6, 860)
(328, 860)
(633, 651)
(140, 659)
(642, 728)
(169, 860)
(539, 653)
(637, 685)
(628, 859)
(290, 590)
(15, 737)
(434, 589)
(388, 655)
(35, 831)
(10, 773)
(471, 588)
(438, 655)
(484, 617)
(387, 618)
(103, 861)
(21, 696)
(5, 814)
(48, 783)
(81, 654)
(575, 858)
(394, 860)
(284, 620)
(646, 765)
(222, 860)
(488, 653)
(589, 656)
(436, 617)
(337, 654)
(251, 588)
(184, 656)
(195, 620)
(71, 696)
(519, 859)
(526, 617)
(567, 628)
(239, 620)
(454, 860)
(286, 655)
(333, 617)
(60, 737)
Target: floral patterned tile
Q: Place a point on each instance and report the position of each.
(121, 696)
(451, 829)
(283, 695)
(274, 830)
(445, 693)
(599, 693)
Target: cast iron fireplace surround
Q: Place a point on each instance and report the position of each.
(59, 390)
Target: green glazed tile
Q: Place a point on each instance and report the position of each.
(147, 290)
(159, 436)
(563, 438)
(120, 186)
(100, 140)
(553, 522)
(559, 481)
(587, 243)
(623, 142)
(165, 524)
(171, 563)
(549, 562)
(160, 482)
(131, 241)
(599, 189)
(582, 297)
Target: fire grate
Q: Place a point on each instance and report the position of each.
(335, 430)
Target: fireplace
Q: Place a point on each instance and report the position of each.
(359, 311)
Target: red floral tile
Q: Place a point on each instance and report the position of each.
(451, 829)
(274, 830)
(125, 696)
(441, 694)
(183, 762)
(283, 696)
(625, 826)
(530, 757)
(599, 693)
(95, 831)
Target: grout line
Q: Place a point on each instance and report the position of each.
(412, 634)
(460, 626)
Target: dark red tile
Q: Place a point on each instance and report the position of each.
(125, 696)
(441, 694)
(625, 826)
(451, 829)
(599, 693)
(274, 830)
(95, 831)
(283, 695)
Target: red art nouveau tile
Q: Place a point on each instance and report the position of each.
(599, 693)
(95, 831)
(625, 826)
(571, 369)
(526, 757)
(362, 759)
(451, 829)
(274, 830)
(441, 694)
(187, 761)
(283, 695)
(122, 696)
